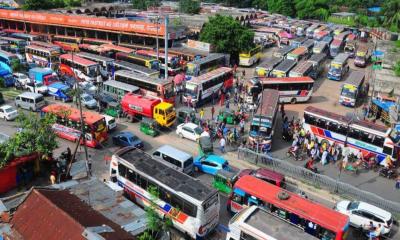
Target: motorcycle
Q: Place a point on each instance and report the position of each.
(294, 152)
(388, 173)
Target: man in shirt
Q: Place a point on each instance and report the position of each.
(222, 145)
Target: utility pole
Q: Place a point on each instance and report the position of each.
(166, 47)
(158, 46)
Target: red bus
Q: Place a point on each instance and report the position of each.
(80, 67)
(316, 219)
(68, 124)
(95, 41)
(67, 43)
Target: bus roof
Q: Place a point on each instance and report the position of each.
(317, 58)
(355, 78)
(174, 179)
(94, 57)
(121, 85)
(270, 63)
(285, 50)
(315, 212)
(17, 34)
(302, 67)
(287, 80)
(269, 104)
(117, 48)
(98, 40)
(285, 66)
(342, 35)
(336, 42)
(308, 43)
(74, 114)
(8, 54)
(33, 46)
(136, 68)
(45, 44)
(213, 73)
(65, 36)
(208, 58)
(299, 51)
(12, 39)
(341, 58)
(77, 59)
(144, 78)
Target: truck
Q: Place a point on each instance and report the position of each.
(8, 78)
(362, 55)
(136, 106)
(45, 76)
(335, 47)
(339, 67)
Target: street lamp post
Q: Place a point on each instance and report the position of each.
(166, 17)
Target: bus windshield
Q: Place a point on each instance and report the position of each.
(190, 70)
(260, 131)
(348, 92)
(155, 65)
(191, 89)
(92, 70)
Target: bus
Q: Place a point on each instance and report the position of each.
(266, 66)
(212, 61)
(173, 61)
(250, 57)
(105, 63)
(44, 57)
(192, 206)
(309, 44)
(318, 30)
(297, 54)
(342, 36)
(16, 45)
(114, 49)
(335, 47)
(80, 67)
(118, 89)
(95, 41)
(256, 223)
(202, 88)
(46, 45)
(320, 47)
(67, 43)
(310, 30)
(302, 69)
(24, 36)
(352, 89)
(149, 86)
(145, 61)
(363, 55)
(319, 36)
(282, 52)
(291, 89)
(122, 65)
(358, 135)
(316, 220)
(6, 60)
(94, 49)
(318, 63)
(283, 69)
(339, 67)
(263, 123)
(68, 124)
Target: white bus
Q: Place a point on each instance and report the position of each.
(123, 65)
(369, 138)
(201, 88)
(105, 63)
(82, 68)
(41, 55)
(192, 206)
(254, 223)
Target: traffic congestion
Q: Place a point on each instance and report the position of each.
(172, 121)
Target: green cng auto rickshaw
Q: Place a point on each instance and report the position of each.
(184, 112)
(113, 109)
(149, 127)
(224, 180)
(228, 114)
(205, 146)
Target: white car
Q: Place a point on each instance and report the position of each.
(8, 113)
(361, 214)
(189, 130)
(88, 101)
(88, 87)
(37, 88)
(110, 122)
(22, 78)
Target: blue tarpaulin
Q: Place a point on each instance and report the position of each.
(385, 105)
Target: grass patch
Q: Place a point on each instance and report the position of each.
(10, 93)
(343, 21)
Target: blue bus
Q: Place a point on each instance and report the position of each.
(6, 59)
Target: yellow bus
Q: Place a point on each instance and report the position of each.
(250, 57)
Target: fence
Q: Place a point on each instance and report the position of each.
(318, 180)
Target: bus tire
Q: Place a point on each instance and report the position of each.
(293, 101)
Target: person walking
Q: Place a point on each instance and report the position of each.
(222, 143)
(212, 112)
(241, 124)
(201, 113)
(398, 182)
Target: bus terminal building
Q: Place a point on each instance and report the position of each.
(121, 31)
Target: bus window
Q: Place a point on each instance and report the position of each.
(321, 123)
(342, 129)
(355, 134)
(309, 119)
(378, 141)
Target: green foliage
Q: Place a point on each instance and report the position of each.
(16, 66)
(144, 4)
(343, 21)
(397, 68)
(49, 4)
(2, 82)
(189, 6)
(227, 35)
(260, 4)
(285, 7)
(312, 9)
(391, 11)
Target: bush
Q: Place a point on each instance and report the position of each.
(397, 68)
(343, 21)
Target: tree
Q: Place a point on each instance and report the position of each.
(312, 9)
(391, 12)
(227, 35)
(189, 6)
(144, 4)
(285, 7)
(17, 66)
(49, 4)
(260, 4)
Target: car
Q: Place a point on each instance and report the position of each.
(88, 101)
(21, 78)
(105, 100)
(88, 87)
(125, 139)
(362, 213)
(8, 113)
(189, 130)
(36, 88)
(210, 164)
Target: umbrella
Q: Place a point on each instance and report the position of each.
(179, 78)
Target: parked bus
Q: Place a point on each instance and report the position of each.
(318, 30)
(113, 49)
(291, 89)
(192, 206)
(250, 57)
(335, 47)
(321, 35)
(283, 69)
(352, 89)
(46, 45)
(118, 89)
(122, 65)
(320, 47)
(173, 61)
(318, 64)
(16, 45)
(362, 55)
(68, 124)
(338, 31)
(282, 52)
(203, 65)
(145, 61)
(350, 48)
(42, 56)
(95, 41)
(149, 86)
(358, 135)
(297, 54)
(67, 43)
(263, 123)
(24, 36)
(309, 44)
(105, 63)
(6, 60)
(316, 220)
(256, 223)
(204, 87)
(296, 42)
(339, 67)
(302, 69)
(342, 36)
(80, 67)
(95, 49)
(265, 67)
(310, 30)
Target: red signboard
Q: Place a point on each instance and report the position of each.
(83, 21)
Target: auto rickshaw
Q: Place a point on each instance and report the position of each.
(228, 114)
(205, 146)
(113, 109)
(224, 180)
(149, 127)
(183, 112)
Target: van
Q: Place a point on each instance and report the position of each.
(30, 101)
(110, 122)
(174, 158)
